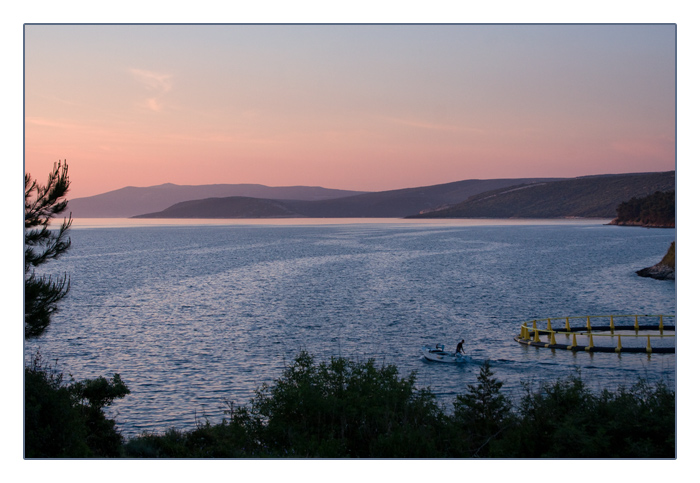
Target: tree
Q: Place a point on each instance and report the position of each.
(483, 412)
(344, 408)
(658, 209)
(41, 244)
(65, 419)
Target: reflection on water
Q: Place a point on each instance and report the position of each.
(191, 314)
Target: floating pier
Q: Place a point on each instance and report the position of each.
(619, 333)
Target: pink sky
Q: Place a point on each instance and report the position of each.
(361, 107)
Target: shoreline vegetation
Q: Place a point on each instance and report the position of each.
(347, 409)
(657, 210)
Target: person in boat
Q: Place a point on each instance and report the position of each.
(460, 348)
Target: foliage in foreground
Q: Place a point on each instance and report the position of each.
(342, 408)
(66, 419)
(61, 418)
(41, 244)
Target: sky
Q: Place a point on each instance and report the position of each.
(125, 107)
(361, 107)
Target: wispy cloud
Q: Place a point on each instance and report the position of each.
(157, 83)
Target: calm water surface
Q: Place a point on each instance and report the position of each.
(194, 313)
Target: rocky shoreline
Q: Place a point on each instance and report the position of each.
(665, 269)
(659, 272)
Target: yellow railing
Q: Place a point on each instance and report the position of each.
(587, 327)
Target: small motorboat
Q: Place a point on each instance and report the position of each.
(438, 354)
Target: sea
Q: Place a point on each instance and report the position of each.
(196, 315)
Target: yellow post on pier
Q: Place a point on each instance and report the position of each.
(590, 342)
(530, 335)
(573, 343)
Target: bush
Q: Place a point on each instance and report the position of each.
(343, 408)
(328, 410)
(67, 419)
(233, 438)
(564, 419)
(54, 426)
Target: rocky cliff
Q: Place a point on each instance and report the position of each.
(665, 269)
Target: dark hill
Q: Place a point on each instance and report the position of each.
(586, 197)
(230, 207)
(403, 202)
(384, 204)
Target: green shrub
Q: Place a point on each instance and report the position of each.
(564, 419)
(54, 426)
(66, 419)
(232, 438)
(342, 408)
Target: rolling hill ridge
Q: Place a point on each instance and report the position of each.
(384, 204)
(584, 197)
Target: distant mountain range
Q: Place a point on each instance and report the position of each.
(131, 201)
(384, 204)
(588, 196)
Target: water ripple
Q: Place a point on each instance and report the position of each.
(193, 316)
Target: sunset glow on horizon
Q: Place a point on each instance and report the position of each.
(358, 107)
